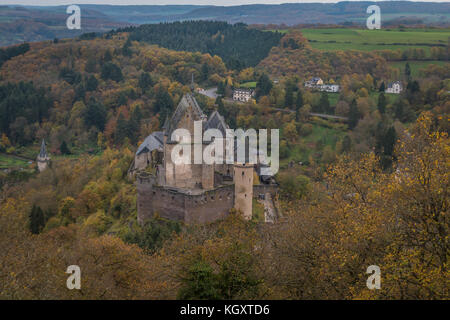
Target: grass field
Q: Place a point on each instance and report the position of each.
(250, 85)
(368, 40)
(7, 162)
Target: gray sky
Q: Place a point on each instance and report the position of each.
(161, 2)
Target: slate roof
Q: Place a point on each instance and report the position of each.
(43, 153)
(216, 121)
(187, 101)
(152, 142)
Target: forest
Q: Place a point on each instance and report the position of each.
(366, 187)
(239, 46)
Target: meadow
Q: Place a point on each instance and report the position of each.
(369, 40)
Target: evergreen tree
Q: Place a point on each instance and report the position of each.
(353, 115)
(95, 115)
(289, 97)
(37, 220)
(407, 71)
(382, 87)
(164, 104)
(382, 103)
(126, 51)
(121, 129)
(205, 72)
(134, 124)
(111, 71)
(263, 86)
(91, 83)
(324, 104)
(64, 148)
(145, 81)
(346, 143)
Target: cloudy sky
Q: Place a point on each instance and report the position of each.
(160, 2)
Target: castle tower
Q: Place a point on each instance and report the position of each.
(243, 189)
(43, 159)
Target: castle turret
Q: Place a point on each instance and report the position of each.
(243, 189)
(43, 159)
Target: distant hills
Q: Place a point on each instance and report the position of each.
(19, 23)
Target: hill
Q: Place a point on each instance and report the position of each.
(31, 23)
(237, 45)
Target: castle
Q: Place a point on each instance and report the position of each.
(196, 193)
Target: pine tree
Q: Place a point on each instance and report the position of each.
(121, 129)
(353, 115)
(289, 97)
(263, 86)
(64, 148)
(382, 87)
(37, 220)
(382, 103)
(145, 81)
(407, 71)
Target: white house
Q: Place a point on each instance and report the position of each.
(394, 87)
(314, 83)
(329, 88)
(243, 95)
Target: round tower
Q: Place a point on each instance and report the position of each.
(243, 189)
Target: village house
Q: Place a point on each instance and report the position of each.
(243, 95)
(394, 87)
(318, 84)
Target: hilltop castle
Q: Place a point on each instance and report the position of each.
(196, 193)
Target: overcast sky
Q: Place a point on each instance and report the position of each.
(160, 2)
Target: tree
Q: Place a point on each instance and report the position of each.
(407, 71)
(91, 83)
(95, 114)
(382, 87)
(353, 115)
(111, 71)
(121, 129)
(145, 81)
(382, 103)
(164, 104)
(324, 104)
(263, 86)
(298, 105)
(199, 282)
(64, 148)
(37, 220)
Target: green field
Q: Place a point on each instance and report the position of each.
(250, 85)
(9, 162)
(368, 40)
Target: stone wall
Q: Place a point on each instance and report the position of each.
(172, 204)
(212, 205)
